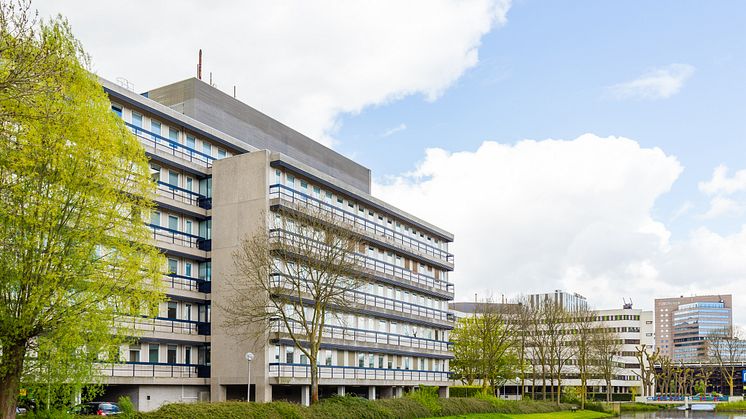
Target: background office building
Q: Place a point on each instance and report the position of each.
(569, 301)
(221, 168)
(683, 323)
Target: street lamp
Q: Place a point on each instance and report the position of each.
(249, 357)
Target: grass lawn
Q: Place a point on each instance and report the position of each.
(581, 414)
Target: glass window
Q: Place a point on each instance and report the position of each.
(303, 359)
(173, 178)
(173, 222)
(361, 360)
(371, 360)
(155, 127)
(191, 142)
(188, 355)
(221, 153)
(328, 357)
(171, 313)
(173, 265)
(380, 361)
(155, 218)
(188, 227)
(188, 269)
(134, 353)
(290, 354)
(173, 135)
(117, 110)
(171, 355)
(137, 119)
(290, 179)
(206, 148)
(190, 184)
(153, 353)
(277, 177)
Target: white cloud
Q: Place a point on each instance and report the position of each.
(721, 183)
(301, 62)
(720, 206)
(660, 83)
(576, 215)
(721, 187)
(392, 131)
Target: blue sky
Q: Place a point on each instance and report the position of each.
(437, 97)
(545, 75)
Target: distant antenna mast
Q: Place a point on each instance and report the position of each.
(199, 65)
(627, 305)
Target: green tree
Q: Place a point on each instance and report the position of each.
(485, 346)
(75, 254)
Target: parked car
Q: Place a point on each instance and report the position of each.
(97, 408)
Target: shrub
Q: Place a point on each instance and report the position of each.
(731, 406)
(428, 397)
(343, 407)
(128, 409)
(640, 407)
(405, 408)
(464, 391)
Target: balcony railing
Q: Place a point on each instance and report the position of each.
(327, 372)
(369, 336)
(169, 235)
(359, 223)
(160, 143)
(156, 370)
(377, 301)
(187, 283)
(375, 265)
(184, 195)
(166, 325)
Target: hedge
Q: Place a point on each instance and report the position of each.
(464, 391)
(413, 405)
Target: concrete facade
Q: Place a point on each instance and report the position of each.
(214, 188)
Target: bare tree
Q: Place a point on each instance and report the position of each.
(291, 278)
(647, 370)
(726, 348)
(606, 345)
(583, 337)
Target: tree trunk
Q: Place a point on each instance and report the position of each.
(314, 382)
(10, 378)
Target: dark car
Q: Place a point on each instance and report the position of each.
(97, 408)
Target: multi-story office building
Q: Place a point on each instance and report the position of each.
(633, 327)
(672, 317)
(222, 168)
(569, 301)
(693, 323)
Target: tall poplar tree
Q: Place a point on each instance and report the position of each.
(75, 254)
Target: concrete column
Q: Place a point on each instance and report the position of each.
(398, 392)
(371, 392)
(262, 392)
(305, 395)
(340, 390)
(443, 392)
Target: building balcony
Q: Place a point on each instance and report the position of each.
(155, 370)
(168, 329)
(185, 286)
(384, 272)
(170, 239)
(162, 145)
(183, 196)
(329, 374)
(380, 233)
(362, 337)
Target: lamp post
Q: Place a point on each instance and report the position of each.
(518, 384)
(249, 357)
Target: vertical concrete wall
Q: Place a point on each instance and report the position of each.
(239, 209)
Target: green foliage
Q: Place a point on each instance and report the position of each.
(351, 407)
(426, 396)
(641, 407)
(464, 391)
(700, 387)
(731, 406)
(75, 255)
(484, 348)
(570, 395)
(128, 409)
